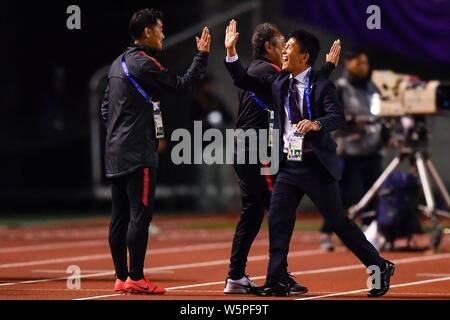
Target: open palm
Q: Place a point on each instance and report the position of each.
(231, 36)
(204, 42)
(333, 55)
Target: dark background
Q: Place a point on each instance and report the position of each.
(44, 88)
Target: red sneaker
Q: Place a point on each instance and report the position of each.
(119, 287)
(143, 286)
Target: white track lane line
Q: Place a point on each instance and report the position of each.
(100, 297)
(169, 267)
(52, 246)
(327, 270)
(433, 275)
(56, 289)
(190, 248)
(64, 271)
(406, 284)
(313, 271)
(90, 257)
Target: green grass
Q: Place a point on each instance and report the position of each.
(298, 226)
(428, 228)
(23, 220)
(232, 226)
(28, 220)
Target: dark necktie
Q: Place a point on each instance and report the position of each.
(294, 109)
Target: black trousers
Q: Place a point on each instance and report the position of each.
(132, 211)
(359, 173)
(255, 196)
(309, 177)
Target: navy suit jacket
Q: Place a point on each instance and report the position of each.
(324, 104)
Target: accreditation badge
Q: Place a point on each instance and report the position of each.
(295, 148)
(157, 118)
(271, 115)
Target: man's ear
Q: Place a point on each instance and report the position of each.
(267, 45)
(306, 57)
(148, 32)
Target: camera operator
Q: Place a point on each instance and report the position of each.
(361, 140)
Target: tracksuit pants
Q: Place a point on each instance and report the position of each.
(132, 211)
(255, 196)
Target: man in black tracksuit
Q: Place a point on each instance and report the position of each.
(267, 42)
(131, 141)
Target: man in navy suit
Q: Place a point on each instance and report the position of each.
(303, 103)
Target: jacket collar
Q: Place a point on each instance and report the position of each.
(263, 59)
(301, 77)
(146, 49)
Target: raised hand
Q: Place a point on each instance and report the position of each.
(204, 42)
(231, 37)
(335, 51)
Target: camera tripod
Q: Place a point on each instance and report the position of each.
(420, 157)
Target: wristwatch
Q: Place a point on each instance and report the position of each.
(318, 122)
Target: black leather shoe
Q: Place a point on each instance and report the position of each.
(280, 289)
(385, 280)
(296, 288)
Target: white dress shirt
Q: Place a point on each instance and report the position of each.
(300, 85)
(231, 59)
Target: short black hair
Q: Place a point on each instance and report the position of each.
(142, 19)
(264, 32)
(353, 52)
(308, 43)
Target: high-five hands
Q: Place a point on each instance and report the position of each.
(305, 125)
(204, 42)
(335, 51)
(231, 37)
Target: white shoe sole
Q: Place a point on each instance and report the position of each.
(236, 291)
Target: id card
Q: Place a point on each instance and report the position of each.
(271, 114)
(157, 117)
(295, 149)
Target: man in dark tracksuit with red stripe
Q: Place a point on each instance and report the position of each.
(131, 141)
(256, 189)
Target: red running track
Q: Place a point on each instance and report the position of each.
(191, 262)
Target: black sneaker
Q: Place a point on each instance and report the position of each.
(276, 288)
(296, 289)
(385, 281)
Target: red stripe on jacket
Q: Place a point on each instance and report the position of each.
(276, 67)
(160, 67)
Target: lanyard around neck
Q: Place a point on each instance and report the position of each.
(306, 94)
(133, 81)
